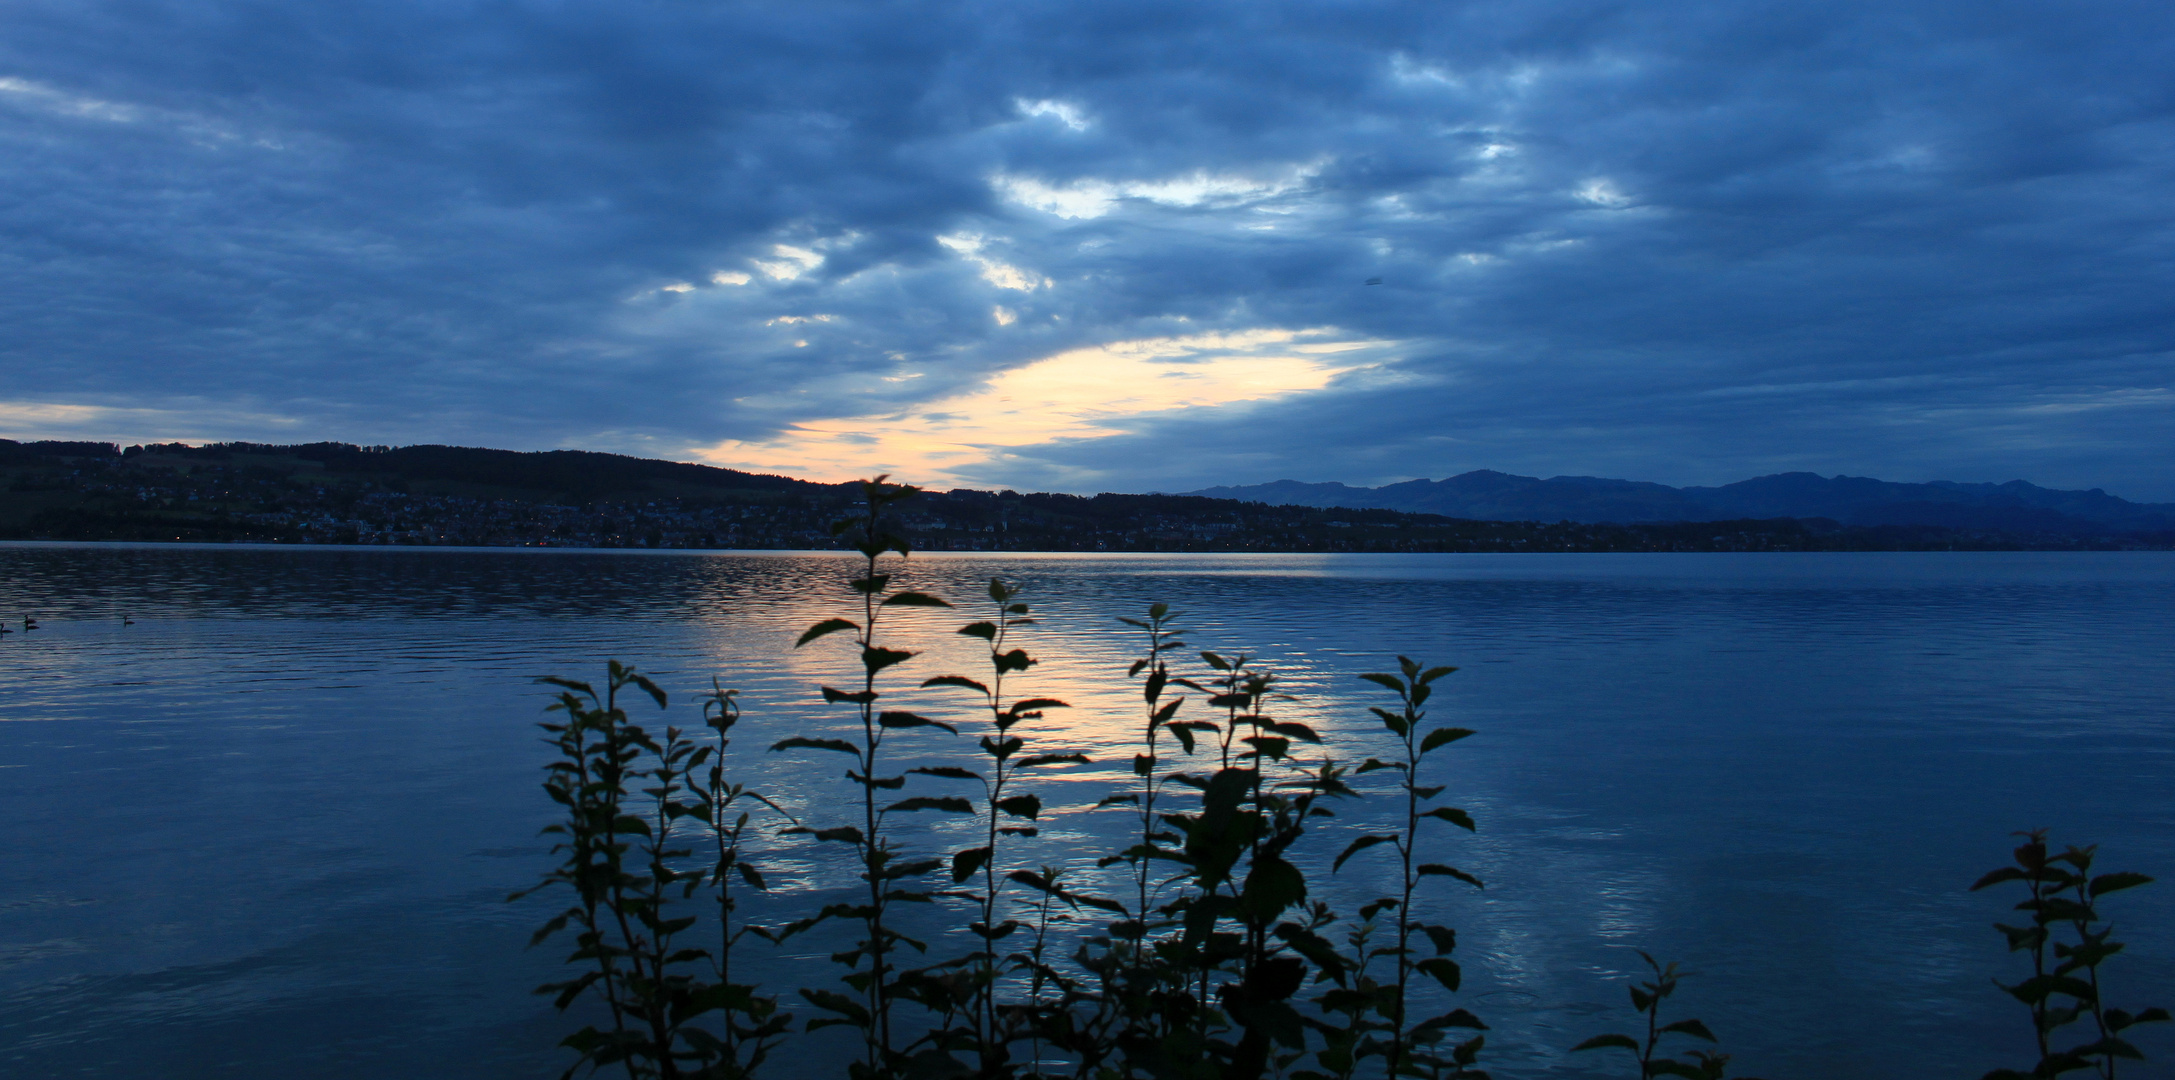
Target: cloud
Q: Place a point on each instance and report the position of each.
(1079, 396)
(1678, 242)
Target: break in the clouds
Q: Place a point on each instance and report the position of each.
(1106, 246)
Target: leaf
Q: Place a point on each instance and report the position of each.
(831, 1001)
(1376, 763)
(2107, 883)
(1443, 938)
(987, 631)
(752, 876)
(1359, 845)
(1454, 816)
(1691, 1027)
(1026, 806)
(1021, 708)
(1215, 661)
(827, 626)
(1051, 759)
(2006, 873)
(1442, 736)
(1271, 886)
(914, 599)
(797, 742)
(947, 772)
(911, 720)
(1457, 1018)
(1438, 869)
(845, 834)
(965, 863)
(1395, 684)
(1602, 1042)
(1300, 732)
(1432, 674)
(948, 803)
(960, 681)
(833, 695)
(1442, 969)
(876, 658)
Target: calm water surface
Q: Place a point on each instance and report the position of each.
(268, 830)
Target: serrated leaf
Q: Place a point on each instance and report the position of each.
(965, 863)
(876, 658)
(1390, 682)
(2107, 883)
(1438, 869)
(912, 720)
(914, 599)
(797, 742)
(1051, 759)
(1691, 1027)
(827, 626)
(960, 681)
(1035, 705)
(1443, 970)
(1454, 816)
(947, 803)
(1359, 845)
(947, 772)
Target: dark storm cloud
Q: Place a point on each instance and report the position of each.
(1679, 242)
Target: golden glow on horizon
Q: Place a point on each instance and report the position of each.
(1081, 394)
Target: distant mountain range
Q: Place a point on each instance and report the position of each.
(1487, 495)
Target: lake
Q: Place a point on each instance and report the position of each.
(268, 830)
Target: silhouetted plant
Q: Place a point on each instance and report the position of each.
(1196, 975)
(1406, 1047)
(1647, 998)
(1352, 1010)
(620, 862)
(991, 1029)
(882, 870)
(2063, 892)
(752, 1023)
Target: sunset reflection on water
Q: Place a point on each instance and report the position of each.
(289, 799)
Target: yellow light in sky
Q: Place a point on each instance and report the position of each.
(1083, 393)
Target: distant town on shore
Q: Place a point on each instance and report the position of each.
(338, 493)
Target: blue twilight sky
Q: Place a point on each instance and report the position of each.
(1106, 245)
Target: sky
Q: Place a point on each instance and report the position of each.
(1108, 246)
